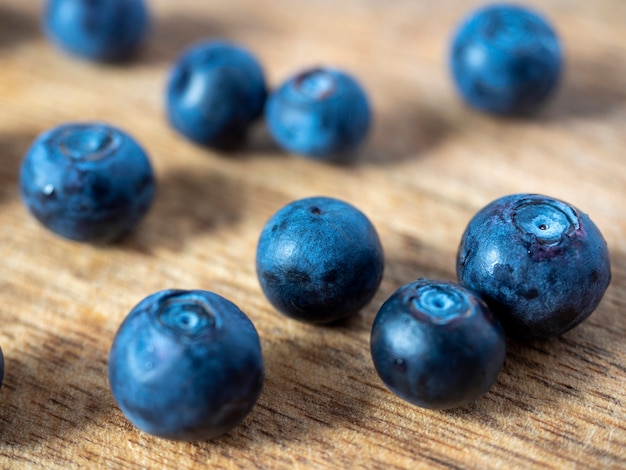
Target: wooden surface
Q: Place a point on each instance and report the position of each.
(428, 167)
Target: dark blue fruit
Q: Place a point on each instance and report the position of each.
(186, 365)
(102, 30)
(215, 92)
(541, 264)
(320, 113)
(505, 59)
(89, 182)
(319, 260)
(437, 345)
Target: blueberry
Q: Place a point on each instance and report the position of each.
(186, 365)
(541, 264)
(88, 182)
(215, 92)
(320, 113)
(101, 30)
(506, 60)
(437, 345)
(319, 260)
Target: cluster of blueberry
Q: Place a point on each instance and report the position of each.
(528, 265)
(187, 365)
(217, 90)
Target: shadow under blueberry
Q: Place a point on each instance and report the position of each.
(172, 33)
(609, 318)
(590, 87)
(188, 202)
(17, 26)
(405, 132)
(52, 391)
(297, 401)
(257, 141)
(540, 375)
(13, 148)
(543, 373)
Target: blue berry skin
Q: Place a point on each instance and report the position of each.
(505, 60)
(321, 113)
(437, 345)
(88, 182)
(319, 260)
(186, 365)
(99, 30)
(215, 92)
(541, 264)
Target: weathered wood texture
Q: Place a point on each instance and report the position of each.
(429, 166)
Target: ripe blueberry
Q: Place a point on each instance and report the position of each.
(102, 30)
(505, 60)
(437, 345)
(319, 260)
(88, 182)
(186, 365)
(320, 113)
(215, 91)
(541, 264)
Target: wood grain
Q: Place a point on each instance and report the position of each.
(429, 166)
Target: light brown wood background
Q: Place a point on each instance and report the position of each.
(429, 166)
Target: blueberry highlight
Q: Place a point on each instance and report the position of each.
(541, 264)
(186, 365)
(505, 59)
(99, 30)
(88, 182)
(215, 92)
(321, 113)
(436, 345)
(319, 260)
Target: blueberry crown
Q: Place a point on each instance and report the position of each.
(548, 220)
(186, 316)
(87, 141)
(439, 303)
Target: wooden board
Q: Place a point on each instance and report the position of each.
(429, 166)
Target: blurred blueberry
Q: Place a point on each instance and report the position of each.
(101, 30)
(186, 365)
(505, 59)
(319, 260)
(437, 345)
(541, 264)
(215, 92)
(320, 113)
(88, 182)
